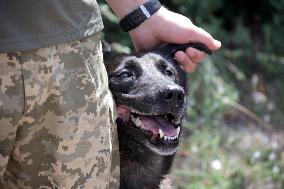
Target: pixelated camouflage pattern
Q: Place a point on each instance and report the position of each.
(57, 124)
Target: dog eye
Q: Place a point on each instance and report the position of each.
(124, 75)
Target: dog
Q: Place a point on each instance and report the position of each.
(150, 90)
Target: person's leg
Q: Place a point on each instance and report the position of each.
(11, 105)
(67, 135)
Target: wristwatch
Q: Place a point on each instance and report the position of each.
(139, 15)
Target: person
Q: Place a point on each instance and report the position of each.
(57, 123)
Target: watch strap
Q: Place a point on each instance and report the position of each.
(139, 15)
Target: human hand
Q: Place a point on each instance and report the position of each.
(169, 27)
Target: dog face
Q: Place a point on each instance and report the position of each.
(150, 94)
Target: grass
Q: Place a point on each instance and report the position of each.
(230, 158)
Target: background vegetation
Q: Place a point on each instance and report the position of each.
(234, 135)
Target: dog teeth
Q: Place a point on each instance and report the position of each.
(161, 133)
(137, 122)
(178, 131)
(165, 138)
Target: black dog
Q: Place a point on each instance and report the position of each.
(150, 93)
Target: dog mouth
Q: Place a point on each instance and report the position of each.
(161, 127)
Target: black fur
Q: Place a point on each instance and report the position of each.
(149, 86)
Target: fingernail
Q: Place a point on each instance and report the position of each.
(217, 43)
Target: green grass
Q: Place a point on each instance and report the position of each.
(249, 158)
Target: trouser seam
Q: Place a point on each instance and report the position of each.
(23, 83)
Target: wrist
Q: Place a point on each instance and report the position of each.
(123, 7)
(146, 35)
(152, 23)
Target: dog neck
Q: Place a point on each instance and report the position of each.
(141, 168)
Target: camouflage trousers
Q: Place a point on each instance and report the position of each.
(57, 124)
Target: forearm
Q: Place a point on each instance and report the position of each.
(123, 7)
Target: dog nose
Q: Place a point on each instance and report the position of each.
(173, 94)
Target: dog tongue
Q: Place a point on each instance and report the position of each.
(155, 123)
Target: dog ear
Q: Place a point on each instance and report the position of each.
(170, 49)
(108, 52)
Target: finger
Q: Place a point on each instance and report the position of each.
(187, 64)
(195, 55)
(200, 35)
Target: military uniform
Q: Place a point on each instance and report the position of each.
(57, 116)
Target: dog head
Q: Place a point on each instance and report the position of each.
(150, 93)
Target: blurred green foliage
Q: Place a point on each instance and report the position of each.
(226, 159)
(237, 92)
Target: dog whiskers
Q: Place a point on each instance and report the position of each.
(170, 53)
